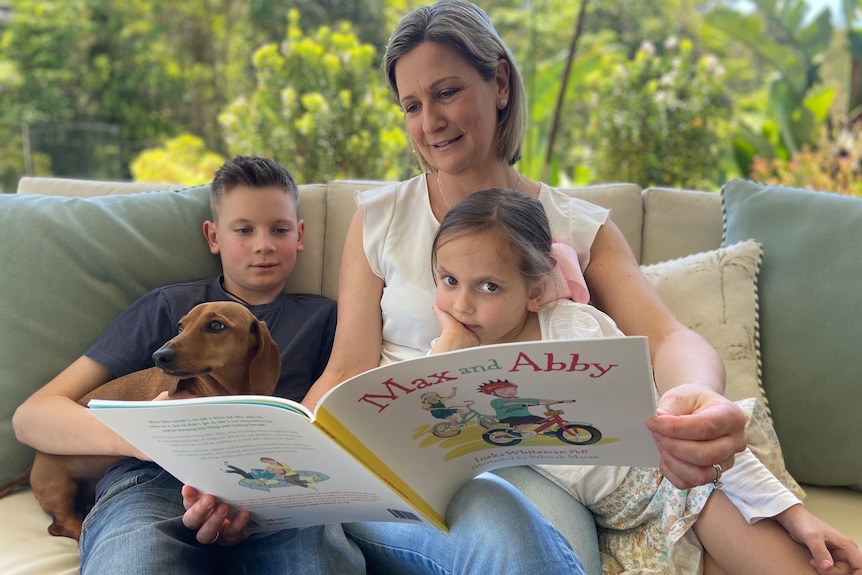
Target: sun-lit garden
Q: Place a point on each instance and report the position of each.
(685, 93)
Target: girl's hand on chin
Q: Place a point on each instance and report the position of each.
(453, 335)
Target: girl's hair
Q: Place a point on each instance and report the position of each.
(253, 172)
(518, 219)
(467, 28)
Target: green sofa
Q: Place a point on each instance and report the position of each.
(75, 253)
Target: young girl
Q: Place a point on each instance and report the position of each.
(498, 280)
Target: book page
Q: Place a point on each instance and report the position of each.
(440, 420)
(256, 453)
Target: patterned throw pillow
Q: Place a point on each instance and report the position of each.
(715, 294)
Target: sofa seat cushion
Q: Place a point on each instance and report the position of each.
(811, 322)
(26, 548)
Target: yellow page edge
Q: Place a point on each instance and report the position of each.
(340, 434)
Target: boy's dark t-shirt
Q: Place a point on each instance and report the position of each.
(303, 326)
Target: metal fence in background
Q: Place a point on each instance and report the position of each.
(84, 150)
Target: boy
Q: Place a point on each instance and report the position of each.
(136, 523)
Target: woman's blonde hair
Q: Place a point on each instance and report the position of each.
(466, 27)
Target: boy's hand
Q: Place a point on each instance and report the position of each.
(209, 517)
(453, 335)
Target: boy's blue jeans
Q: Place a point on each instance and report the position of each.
(136, 527)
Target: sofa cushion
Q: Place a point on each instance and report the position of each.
(26, 548)
(70, 265)
(84, 188)
(810, 331)
(671, 214)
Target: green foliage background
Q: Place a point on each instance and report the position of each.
(338, 122)
(300, 80)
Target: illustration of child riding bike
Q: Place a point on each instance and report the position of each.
(519, 424)
(513, 421)
(456, 417)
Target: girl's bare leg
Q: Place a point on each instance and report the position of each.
(734, 546)
(710, 567)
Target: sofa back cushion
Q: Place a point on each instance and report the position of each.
(67, 187)
(678, 223)
(69, 266)
(810, 318)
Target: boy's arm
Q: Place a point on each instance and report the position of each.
(52, 421)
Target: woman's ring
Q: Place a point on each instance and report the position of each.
(219, 533)
(717, 480)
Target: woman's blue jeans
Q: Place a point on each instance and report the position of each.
(493, 528)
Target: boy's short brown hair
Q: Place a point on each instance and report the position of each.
(254, 172)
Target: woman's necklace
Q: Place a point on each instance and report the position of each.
(443, 196)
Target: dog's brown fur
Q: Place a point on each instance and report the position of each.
(222, 349)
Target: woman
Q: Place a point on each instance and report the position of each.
(464, 108)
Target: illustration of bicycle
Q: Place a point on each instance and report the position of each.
(446, 429)
(571, 432)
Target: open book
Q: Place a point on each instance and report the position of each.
(397, 442)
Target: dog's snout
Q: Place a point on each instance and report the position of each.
(164, 357)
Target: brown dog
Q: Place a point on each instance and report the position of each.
(222, 349)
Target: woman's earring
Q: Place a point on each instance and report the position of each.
(503, 103)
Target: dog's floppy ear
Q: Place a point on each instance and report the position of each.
(265, 367)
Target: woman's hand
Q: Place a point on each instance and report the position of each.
(694, 429)
(210, 518)
(832, 552)
(453, 335)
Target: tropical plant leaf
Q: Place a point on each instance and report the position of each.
(750, 30)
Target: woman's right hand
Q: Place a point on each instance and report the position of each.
(210, 518)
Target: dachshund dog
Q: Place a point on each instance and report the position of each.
(222, 349)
